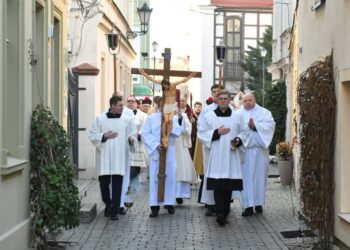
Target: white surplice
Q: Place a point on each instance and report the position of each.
(207, 195)
(139, 157)
(111, 155)
(126, 179)
(223, 163)
(185, 172)
(255, 166)
(151, 133)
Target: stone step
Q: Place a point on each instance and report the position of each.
(88, 212)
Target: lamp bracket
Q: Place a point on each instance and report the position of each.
(133, 34)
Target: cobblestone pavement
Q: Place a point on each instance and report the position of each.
(189, 228)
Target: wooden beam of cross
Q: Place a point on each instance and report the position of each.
(166, 73)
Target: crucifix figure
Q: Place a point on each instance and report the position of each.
(170, 105)
(169, 108)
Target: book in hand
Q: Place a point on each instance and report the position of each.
(234, 143)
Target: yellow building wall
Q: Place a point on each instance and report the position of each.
(292, 95)
(15, 220)
(319, 33)
(60, 11)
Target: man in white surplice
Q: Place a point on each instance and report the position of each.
(112, 133)
(126, 179)
(221, 128)
(206, 196)
(151, 135)
(185, 172)
(138, 158)
(255, 166)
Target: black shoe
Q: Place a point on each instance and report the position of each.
(107, 211)
(153, 214)
(114, 216)
(166, 206)
(121, 211)
(210, 211)
(248, 211)
(171, 209)
(179, 201)
(259, 209)
(221, 220)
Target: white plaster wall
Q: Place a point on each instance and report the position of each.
(84, 45)
(207, 54)
(102, 51)
(124, 7)
(83, 39)
(87, 103)
(89, 46)
(283, 11)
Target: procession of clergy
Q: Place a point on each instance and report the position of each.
(225, 145)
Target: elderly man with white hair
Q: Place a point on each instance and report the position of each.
(255, 167)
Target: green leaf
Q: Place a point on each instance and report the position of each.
(54, 197)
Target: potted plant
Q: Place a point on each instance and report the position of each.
(284, 151)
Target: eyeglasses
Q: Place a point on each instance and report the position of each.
(223, 99)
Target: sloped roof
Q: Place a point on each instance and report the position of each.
(266, 4)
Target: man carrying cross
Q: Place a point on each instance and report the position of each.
(150, 134)
(166, 122)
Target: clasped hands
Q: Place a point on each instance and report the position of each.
(251, 124)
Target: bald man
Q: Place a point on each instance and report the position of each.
(255, 166)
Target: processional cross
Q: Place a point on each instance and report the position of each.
(169, 96)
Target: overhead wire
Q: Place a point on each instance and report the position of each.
(87, 12)
(176, 3)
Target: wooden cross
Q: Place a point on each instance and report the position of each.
(166, 73)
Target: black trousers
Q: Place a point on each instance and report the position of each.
(114, 201)
(222, 202)
(134, 172)
(200, 188)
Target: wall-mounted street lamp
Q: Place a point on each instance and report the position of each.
(113, 43)
(144, 14)
(220, 56)
(263, 55)
(144, 55)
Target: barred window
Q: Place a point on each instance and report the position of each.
(233, 71)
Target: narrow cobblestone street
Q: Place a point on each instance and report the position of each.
(189, 228)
